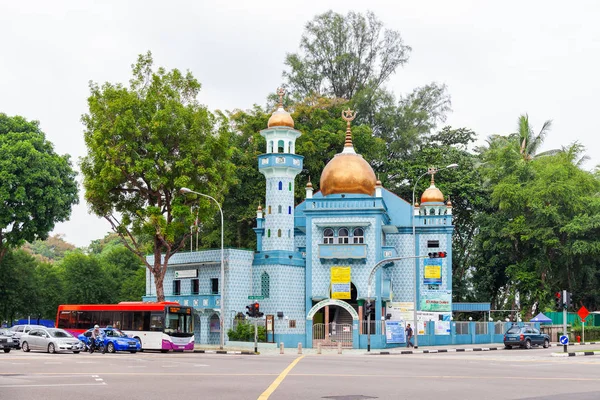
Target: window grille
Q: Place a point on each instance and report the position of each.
(343, 236)
(265, 285)
(358, 236)
(328, 236)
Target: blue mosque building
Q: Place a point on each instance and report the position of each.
(318, 264)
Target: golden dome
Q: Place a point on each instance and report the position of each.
(280, 117)
(432, 194)
(348, 172)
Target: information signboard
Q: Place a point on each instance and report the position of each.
(394, 332)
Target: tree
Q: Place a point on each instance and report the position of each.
(37, 186)
(18, 288)
(86, 282)
(51, 250)
(144, 143)
(341, 55)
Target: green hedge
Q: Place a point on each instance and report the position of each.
(592, 333)
(244, 332)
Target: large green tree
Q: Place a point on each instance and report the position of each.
(37, 186)
(341, 55)
(144, 143)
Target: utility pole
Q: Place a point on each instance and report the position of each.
(564, 299)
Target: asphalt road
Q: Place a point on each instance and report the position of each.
(503, 374)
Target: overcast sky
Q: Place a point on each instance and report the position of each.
(498, 59)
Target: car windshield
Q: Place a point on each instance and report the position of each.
(514, 329)
(5, 332)
(59, 333)
(114, 333)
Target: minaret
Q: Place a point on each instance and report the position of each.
(279, 165)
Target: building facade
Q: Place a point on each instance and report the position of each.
(321, 264)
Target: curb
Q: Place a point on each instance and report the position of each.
(386, 353)
(584, 353)
(224, 352)
(573, 344)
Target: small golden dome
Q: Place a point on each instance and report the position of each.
(309, 184)
(280, 117)
(348, 172)
(378, 183)
(449, 203)
(259, 207)
(432, 194)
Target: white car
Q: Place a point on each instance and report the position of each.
(20, 330)
(50, 340)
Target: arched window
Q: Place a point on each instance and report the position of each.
(290, 186)
(328, 236)
(289, 209)
(268, 233)
(290, 147)
(269, 209)
(280, 145)
(280, 185)
(214, 324)
(359, 236)
(278, 232)
(343, 236)
(271, 146)
(279, 209)
(265, 283)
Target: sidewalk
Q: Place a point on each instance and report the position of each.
(214, 349)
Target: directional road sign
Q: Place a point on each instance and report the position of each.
(564, 339)
(256, 297)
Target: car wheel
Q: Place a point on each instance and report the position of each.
(140, 340)
(507, 347)
(25, 347)
(546, 343)
(110, 348)
(7, 350)
(51, 348)
(528, 344)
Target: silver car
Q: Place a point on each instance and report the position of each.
(50, 340)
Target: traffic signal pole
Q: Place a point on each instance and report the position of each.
(255, 335)
(372, 274)
(564, 299)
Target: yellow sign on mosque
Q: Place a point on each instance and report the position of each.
(340, 283)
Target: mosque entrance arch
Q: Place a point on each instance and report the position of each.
(338, 325)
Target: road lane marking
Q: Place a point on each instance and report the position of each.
(54, 385)
(265, 395)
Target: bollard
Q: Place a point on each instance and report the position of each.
(319, 348)
(281, 348)
(299, 348)
(340, 348)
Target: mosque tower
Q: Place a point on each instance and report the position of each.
(279, 165)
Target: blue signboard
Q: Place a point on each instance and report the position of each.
(394, 332)
(564, 339)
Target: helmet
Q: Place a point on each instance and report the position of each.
(96, 327)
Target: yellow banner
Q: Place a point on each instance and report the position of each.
(340, 283)
(433, 272)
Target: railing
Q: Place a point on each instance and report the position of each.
(331, 335)
(377, 327)
(481, 328)
(462, 328)
(499, 328)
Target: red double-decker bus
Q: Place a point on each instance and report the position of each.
(160, 326)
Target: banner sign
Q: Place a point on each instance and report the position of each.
(432, 271)
(394, 332)
(436, 300)
(340, 283)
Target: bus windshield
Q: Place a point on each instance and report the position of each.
(179, 321)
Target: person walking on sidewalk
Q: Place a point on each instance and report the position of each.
(409, 335)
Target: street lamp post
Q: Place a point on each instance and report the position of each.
(430, 171)
(221, 311)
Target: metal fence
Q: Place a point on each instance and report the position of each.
(330, 335)
(481, 328)
(377, 327)
(499, 328)
(462, 328)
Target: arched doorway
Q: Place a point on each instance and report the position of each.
(338, 325)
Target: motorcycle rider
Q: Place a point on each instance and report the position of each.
(96, 334)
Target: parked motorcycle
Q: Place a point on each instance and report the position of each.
(94, 345)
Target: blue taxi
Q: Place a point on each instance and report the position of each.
(114, 340)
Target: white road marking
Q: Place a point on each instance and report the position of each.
(54, 385)
(201, 365)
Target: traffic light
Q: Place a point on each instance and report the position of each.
(250, 311)
(558, 301)
(257, 313)
(569, 300)
(438, 254)
(369, 308)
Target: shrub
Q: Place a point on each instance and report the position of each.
(244, 332)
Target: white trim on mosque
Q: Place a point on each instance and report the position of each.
(332, 302)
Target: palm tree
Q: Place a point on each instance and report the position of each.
(527, 143)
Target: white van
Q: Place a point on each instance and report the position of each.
(20, 330)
